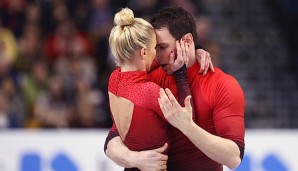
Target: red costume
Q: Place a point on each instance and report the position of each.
(148, 128)
(219, 108)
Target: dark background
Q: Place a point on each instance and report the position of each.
(55, 60)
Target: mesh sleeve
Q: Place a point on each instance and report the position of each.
(183, 89)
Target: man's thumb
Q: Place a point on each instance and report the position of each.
(161, 149)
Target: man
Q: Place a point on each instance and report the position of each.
(217, 137)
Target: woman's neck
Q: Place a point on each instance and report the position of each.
(132, 66)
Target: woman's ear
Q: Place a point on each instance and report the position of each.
(143, 53)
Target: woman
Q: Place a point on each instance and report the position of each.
(133, 99)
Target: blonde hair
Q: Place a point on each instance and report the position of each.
(128, 35)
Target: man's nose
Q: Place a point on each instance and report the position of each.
(157, 57)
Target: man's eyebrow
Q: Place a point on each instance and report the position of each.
(159, 44)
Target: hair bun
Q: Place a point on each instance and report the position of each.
(125, 17)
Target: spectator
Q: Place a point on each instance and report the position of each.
(33, 84)
(100, 24)
(12, 13)
(30, 48)
(62, 41)
(52, 108)
(8, 45)
(204, 28)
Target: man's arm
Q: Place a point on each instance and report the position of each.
(143, 160)
(117, 151)
(219, 149)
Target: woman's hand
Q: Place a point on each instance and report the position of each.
(181, 55)
(204, 59)
(179, 117)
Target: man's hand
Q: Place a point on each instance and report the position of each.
(151, 160)
(144, 160)
(179, 117)
(203, 57)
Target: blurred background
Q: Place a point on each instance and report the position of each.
(55, 64)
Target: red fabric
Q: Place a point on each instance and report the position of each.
(148, 128)
(219, 106)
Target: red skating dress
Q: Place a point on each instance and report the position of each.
(148, 128)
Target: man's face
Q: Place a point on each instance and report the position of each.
(165, 44)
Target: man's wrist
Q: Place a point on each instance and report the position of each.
(132, 157)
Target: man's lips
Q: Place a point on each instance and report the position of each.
(163, 66)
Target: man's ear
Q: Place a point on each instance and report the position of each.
(188, 37)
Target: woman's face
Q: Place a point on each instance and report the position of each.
(151, 52)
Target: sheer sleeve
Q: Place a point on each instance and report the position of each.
(183, 89)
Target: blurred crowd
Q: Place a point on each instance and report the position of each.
(55, 59)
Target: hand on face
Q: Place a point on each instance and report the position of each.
(182, 51)
(182, 56)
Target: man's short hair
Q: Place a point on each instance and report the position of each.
(177, 20)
